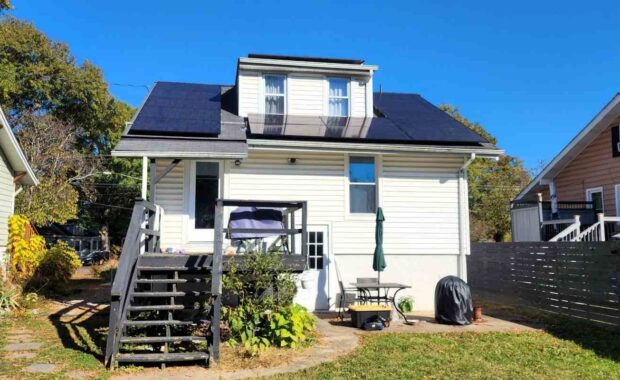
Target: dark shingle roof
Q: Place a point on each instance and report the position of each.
(421, 120)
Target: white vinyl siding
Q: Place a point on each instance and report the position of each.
(7, 191)
(305, 94)
(316, 178)
(419, 196)
(358, 98)
(418, 193)
(427, 222)
(249, 89)
(169, 194)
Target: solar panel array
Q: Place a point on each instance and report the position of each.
(180, 109)
(421, 120)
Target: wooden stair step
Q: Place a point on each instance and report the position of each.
(160, 357)
(161, 339)
(169, 280)
(155, 307)
(162, 269)
(158, 294)
(158, 322)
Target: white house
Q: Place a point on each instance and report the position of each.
(15, 172)
(311, 129)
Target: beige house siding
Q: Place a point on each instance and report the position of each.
(7, 190)
(593, 167)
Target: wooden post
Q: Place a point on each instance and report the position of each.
(304, 229)
(601, 228)
(153, 177)
(293, 236)
(216, 279)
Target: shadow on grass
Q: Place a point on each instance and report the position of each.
(604, 342)
(83, 324)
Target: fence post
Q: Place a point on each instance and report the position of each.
(601, 226)
(578, 223)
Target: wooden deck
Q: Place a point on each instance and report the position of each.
(194, 261)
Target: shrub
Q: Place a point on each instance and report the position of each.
(405, 304)
(265, 315)
(26, 251)
(57, 266)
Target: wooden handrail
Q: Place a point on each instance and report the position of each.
(141, 225)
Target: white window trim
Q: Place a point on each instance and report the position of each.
(598, 189)
(263, 94)
(192, 234)
(378, 184)
(348, 97)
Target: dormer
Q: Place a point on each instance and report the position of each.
(284, 85)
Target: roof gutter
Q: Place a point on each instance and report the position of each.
(369, 148)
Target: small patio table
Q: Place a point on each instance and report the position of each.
(368, 288)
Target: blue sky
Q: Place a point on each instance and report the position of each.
(532, 72)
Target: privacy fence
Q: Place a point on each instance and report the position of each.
(575, 279)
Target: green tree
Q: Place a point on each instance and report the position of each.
(4, 5)
(44, 89)
(492, 185)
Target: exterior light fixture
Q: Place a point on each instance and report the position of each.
(292, 160)
(237, 162)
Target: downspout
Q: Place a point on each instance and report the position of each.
(463, 218)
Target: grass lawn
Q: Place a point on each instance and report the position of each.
(567, 350)
(561, 353)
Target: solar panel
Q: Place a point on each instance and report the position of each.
(323, 127)
(421, 120)
(183, 109)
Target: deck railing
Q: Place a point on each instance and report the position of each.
(605, 228)
(142, 236)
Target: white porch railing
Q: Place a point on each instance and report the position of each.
(595, 232)
(569, 233)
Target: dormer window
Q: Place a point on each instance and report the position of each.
(338, 102)
(275, 94)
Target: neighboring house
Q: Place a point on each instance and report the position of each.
(82, 241)
(583, 179)
(15, 172)
(311, 129)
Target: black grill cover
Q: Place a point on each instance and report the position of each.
(453, 305)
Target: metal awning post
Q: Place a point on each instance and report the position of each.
(145, 173)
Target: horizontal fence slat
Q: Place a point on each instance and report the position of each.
(579, 280)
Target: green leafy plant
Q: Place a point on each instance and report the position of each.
(405, 304)
(57, 266)
(9, 297)
(265, 315)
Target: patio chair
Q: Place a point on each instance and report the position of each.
(369, 296)
(348, 295)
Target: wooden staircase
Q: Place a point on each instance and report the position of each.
(165, 307)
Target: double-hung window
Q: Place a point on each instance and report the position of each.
(362, 185)
(338, 100)
(275, 94)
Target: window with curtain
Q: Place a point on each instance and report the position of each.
(274, 94)
(338, 97)
(362, 185)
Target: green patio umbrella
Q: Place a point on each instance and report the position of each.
(378, 259)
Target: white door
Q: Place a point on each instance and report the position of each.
(316, 297)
